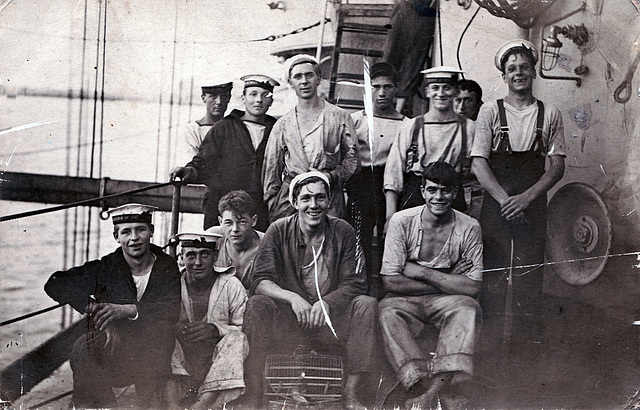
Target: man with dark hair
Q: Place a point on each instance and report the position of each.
(307, 286)
(232, 153)
(132, 301)
(314, 135)
(514, 137)
(432, 269)
(210, 347)
(216, 99)
(238, 217)
(469, 99)
(438, 135)
(366, 208)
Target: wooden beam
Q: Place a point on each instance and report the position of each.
(53, 189)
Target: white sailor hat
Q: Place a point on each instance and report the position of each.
(132, 213)
(502, 51)
(259, 80)
(198, 240)
(441, 74)
(301, 177)
(298, 59)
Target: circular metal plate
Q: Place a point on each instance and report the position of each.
(578, 234)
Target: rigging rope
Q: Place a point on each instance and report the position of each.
(273, 37)
(462, 36)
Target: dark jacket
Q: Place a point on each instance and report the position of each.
(280, 256)
(227, 161)
(149, 339)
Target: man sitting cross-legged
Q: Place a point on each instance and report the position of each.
(210, 347)
(432, 269)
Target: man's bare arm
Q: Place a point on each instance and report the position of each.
(452, 283)
(403, 285)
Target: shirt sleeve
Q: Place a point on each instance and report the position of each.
(395, 251)
(556, 145)
(483, 132)
(394, 169)
(349, 149)
(206, 154)
(237, 299)
(268, 262)
(472, 251)
(273, 166)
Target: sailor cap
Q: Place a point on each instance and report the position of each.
(132, 213)
(198, 240)
(502, 51)
(301, 177)
(259, 80)
(441, 74)
(217, 88)
(295, 60)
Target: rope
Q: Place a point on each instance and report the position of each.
(32, 314)
(51, 400)
(83, 202)
(462, 36)
(296, 31)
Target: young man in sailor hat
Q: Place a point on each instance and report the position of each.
(438, 135)
(231, 155)
(307, 285)
(210, 347)
(216, 99)
(132, 301)
(314, 136)
(514, 138)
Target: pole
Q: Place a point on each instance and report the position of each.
(322, 24)
(175, 213)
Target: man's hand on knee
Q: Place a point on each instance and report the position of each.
(317, 315)
(302, 310)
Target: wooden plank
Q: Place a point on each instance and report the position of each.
(53, 189)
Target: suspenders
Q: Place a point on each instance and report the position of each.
(504, 145)
(418, 127)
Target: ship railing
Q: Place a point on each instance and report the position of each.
(25, 384)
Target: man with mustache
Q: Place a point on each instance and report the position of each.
(314, 136)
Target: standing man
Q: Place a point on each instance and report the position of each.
(314, 136)
(366, 208)
(469, 99)
(438, 135)
(231, 155)
(514, 137)
(210, 347)
(216, 99)
(432, 269)
(467, 103)
(132, 301)
(307, 286)
(239, 246)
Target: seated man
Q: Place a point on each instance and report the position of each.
(307, 285)
(239, 247)
(432, 269)
(210, 347)
(133, 297)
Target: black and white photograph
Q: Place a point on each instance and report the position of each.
(320, 204)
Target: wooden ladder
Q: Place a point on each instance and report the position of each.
(360, 31)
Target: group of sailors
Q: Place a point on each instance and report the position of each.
(287, 258)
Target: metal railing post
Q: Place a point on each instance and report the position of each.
(175, 213)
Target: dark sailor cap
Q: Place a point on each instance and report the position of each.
(218, 88)
(132, 213)
(441, 74)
